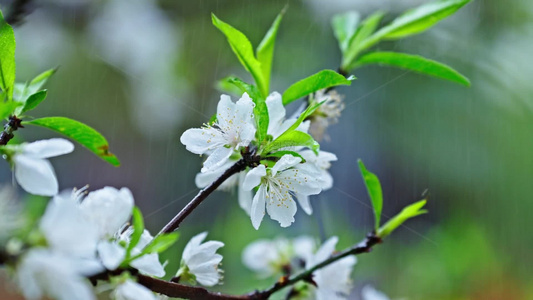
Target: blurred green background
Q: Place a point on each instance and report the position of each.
(142, 72)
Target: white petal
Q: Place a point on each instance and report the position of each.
(281, 207)
(253, 178)
(257, 211)
(326, 180)
(130, 290)
(245, 197)
(202, 140)
(68, 231)
(35, 175)
(304, 203)
(111, 254)
(276, 113)
(304, 246)
(335, 278)
(225, 112)
(217, 159)
(370, 293)
(300, 182)
(285, 162)
(259, 256)
(48, 148)
(108, 208)
(193, 243)
(149, 264)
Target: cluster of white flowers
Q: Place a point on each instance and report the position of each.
(83, 234)
(294, 175)
(269, 257)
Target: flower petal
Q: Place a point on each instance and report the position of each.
(193, 243)
(253, 178)
(276, 114)
(35, 175)
(257, 211)
(108, 208)
(111, 254)
(304, 203)
(245, 196)
(149, 264)
(202, 140)
(217, 159)
(285, 162)
(47, 148)
(281, 207)
(130, 290)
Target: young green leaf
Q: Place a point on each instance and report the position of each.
(226, 85)
(38, 82)
(161, 243)
(368, 27)
(81, 133)
(32, 102)
(408, 212)
(414, 63)
(421, 18)
(313, 83)
(279, 154)
(415, 21)
(242, 48)
(265, 50)
(138, 229)
(344, 27)
(374, 191)
(7, 58)
(7, 108)
(293, 138)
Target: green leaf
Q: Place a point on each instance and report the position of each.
(260, 109)
(374, 191)
(161, 243)
(38, 82)
(279, 154)
(226, 85)
(294, 138)
(408, 212)
(8, 108)
(7, 58)
(414, 63)
(421, 18)
(415, 21)
(265, 50)
(32, 102)
(368, 27)
(242, 47)
(138, 229)
(313, 83)
(81, 133)
(344, 27)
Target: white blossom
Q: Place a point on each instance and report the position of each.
(322, 162)
(42, 273)
(131, 290)
(201, 260)
(277, 124)
(370, 293)
(233, 129)
(333, 281)
(269, 257)
(204, 179)
(33, 172)
(276, 186)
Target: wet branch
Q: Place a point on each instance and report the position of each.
(364, 246)
(7, 134)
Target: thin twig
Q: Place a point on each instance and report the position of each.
(7, 134)
(202, 195)
(364, 246)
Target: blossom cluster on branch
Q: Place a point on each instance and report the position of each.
(89, 244)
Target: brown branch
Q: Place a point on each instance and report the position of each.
(7, 134)
(364, 246)
(203, 194)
